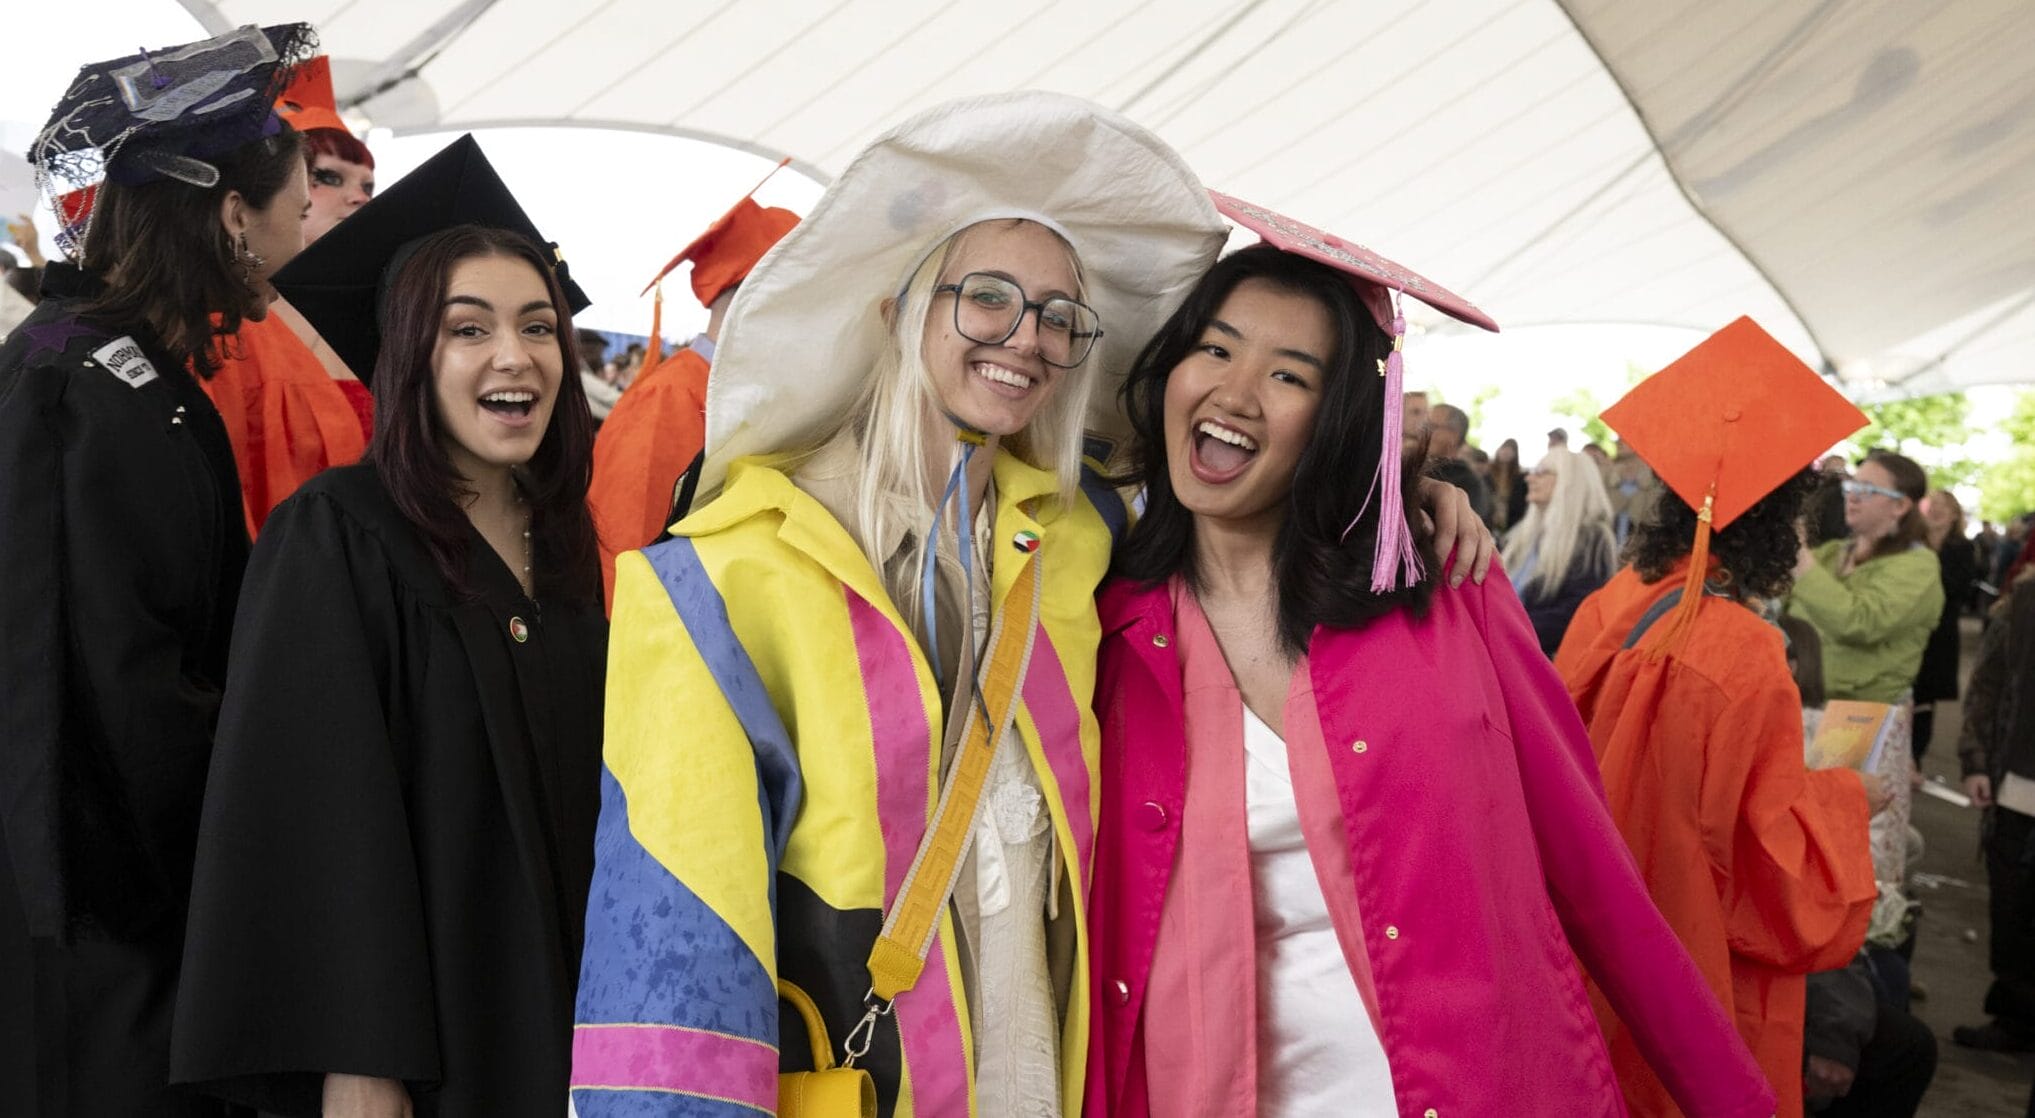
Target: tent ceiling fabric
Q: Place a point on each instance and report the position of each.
(1489, 143)
(1875, 160)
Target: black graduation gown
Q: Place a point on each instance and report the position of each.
(398, 831)
(1936, 677)
(121, 551)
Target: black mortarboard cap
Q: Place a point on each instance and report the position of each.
(337, 282)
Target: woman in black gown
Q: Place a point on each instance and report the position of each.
(397, 837)
(121, 551)
(1936, 679)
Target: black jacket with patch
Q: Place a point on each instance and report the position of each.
(121, 552)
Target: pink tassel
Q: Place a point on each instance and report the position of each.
(1396, 562)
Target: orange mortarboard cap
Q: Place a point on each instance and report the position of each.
(308, 102)
(723, 255)
(1738, 413)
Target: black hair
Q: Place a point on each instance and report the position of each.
(1323, 578)
(1756, 551)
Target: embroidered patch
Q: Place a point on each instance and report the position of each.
(124, 359)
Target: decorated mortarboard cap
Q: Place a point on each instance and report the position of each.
(1726, 424)
(308, 102)
(163, 114)
(1378, 282)
(1376, 277)
(723, 255)
(73, 211)
(338, 281)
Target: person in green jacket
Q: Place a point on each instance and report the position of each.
(1875, 595)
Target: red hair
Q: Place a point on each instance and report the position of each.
(339, 145)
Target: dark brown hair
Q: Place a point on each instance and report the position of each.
(167, 262)
(1913, 483)
(408, 449)
(1323, 579)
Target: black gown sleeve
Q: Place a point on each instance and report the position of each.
(306, 951)
(97, 656)
(32, 658)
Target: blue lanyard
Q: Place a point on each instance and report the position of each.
(929, 582)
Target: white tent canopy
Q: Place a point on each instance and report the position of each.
(1857, 176)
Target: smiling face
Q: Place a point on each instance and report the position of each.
(998, 389)
(1540, 484)
(496, 365)
(337, 189)
(1240, 409)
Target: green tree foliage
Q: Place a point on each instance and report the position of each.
(1930, 429)
(2007, 487)
(1582, 406)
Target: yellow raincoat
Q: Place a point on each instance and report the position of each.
(730, 858)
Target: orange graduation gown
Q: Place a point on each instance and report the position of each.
(285, 415)
(1763, 868)
(647, 441)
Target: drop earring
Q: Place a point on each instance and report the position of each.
(249, 259)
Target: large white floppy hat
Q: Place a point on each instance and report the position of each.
(805, 326)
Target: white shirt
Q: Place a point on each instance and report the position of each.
(1317, 1051)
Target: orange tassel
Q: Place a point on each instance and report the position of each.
(653, 351)
(1684, 616)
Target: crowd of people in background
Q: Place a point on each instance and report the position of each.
(1053, 674)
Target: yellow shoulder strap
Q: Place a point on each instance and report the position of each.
(899, 954)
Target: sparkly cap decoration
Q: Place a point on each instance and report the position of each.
(309, 102)
(1723, 426)
(338, 282)
(72, 211)
(1379, 284)
(163, 114)
(722, 256)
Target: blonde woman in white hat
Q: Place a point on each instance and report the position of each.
(882, 628)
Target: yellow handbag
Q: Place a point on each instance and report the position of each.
(826, 1091)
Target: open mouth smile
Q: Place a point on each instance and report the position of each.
(512, 406)
(1221, 452)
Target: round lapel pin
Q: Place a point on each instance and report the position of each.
(519, 630)
(1026, 541)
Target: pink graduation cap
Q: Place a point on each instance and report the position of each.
(1379, 283)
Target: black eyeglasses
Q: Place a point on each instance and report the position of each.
(988, 309)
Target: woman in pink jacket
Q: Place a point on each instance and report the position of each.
(1352, 841)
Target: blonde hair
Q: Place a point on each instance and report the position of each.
(1574, 525)
(896, 422)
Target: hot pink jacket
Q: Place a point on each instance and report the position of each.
(1481, 851)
